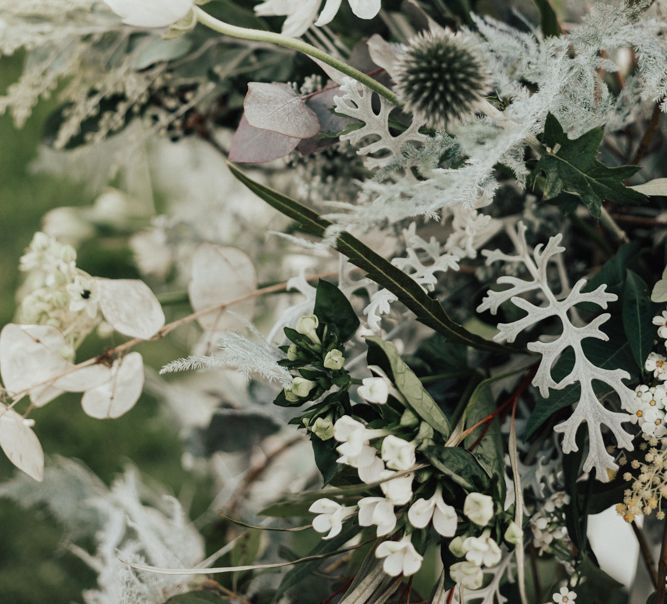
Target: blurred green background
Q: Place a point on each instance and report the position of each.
(35, 567)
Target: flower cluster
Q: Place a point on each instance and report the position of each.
(647, 478)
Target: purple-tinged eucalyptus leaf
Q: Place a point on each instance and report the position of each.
(252, 145)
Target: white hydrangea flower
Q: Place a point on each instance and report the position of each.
(467, 574)
(377, 511)
(150, 13)
(482, 550)
(330, 516)
(399, 489)
(444, 517)
(83, 296)
(397, 453)
(661, 322)
(478, 508)
(564, 596)
(657, 365)
(400, 557)
(302, 14)
(374, 390)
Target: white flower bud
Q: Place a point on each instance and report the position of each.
(478, 508)
(456, 547)
(323, 428)
(300, 388)
(513, 534)
(292, 352)
(334, 360)
(307, 326)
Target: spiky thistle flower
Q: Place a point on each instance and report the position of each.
(441, 77)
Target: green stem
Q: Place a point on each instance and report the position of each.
(256, 35)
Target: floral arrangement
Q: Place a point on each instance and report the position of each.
(408, 262)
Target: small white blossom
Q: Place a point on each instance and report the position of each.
(478, 508)
(377, 511)
(374, 390)
(564, 596)
(657, 365)
(330, 516)
(400, 557)
(483, 550)
(661, 321)
(334, 360)
(514, 533)
(307, 326)
(355, 449)
(399, 489)
(456, 547)
(444, 518)
(467, 574)
(397, 453)
(150, 13)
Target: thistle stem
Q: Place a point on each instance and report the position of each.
(256, 35)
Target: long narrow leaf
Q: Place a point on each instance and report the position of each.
(429, 311)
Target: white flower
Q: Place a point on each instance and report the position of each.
(301, 14)
(330, 516)
(374, 390)
(478, 508)
(661, 321)
(657, 364)
(483, 550)
(400, 557)
(467, 575)
(564, 596)
(150, 13)
(307, 326)
(397, 453)
(377, 511)
(334, 360)
(355, 449)
(444, 516)
(398, 490)
(299, 388)
(648, 406)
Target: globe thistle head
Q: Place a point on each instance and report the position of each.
(441, 77)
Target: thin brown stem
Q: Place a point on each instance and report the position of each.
(646, 553)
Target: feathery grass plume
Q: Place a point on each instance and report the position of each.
(441, 77)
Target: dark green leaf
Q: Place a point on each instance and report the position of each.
(325, 458)
(637, 317)
(428, 311)
(409, 385)
(490, 452)
(331, 306)
(571, 166)
(613, 272)
(549, 20)
(461, 466)
(246, 548)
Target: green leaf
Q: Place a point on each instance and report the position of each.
(408, 384)
(571, 166)
(325, 458)
(246, 548)
(637, 317)
(613, 272)
(197, 597)
(461, 466)
(238, 430)
(331, 306)
(549, 20)
(490, 452)
(429, 311)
